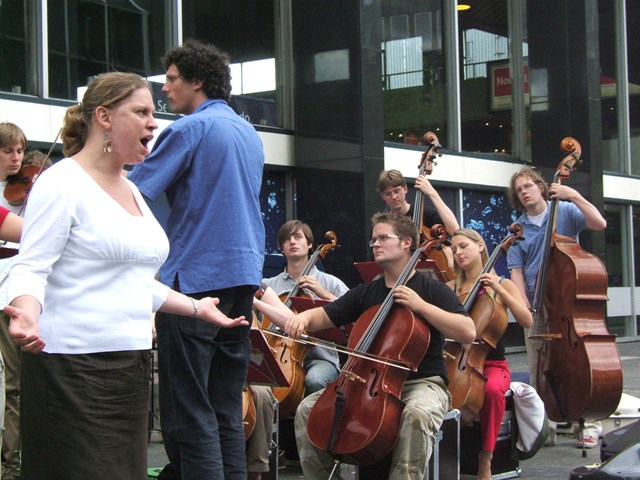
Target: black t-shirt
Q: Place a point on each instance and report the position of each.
(497, 353)
(430, 216)
(349, 307)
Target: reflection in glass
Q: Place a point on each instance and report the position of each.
(13, 47)
(413, 70)
(615, 250)
(247, 31)
(490, 214)
(486, 85)
(87, 38)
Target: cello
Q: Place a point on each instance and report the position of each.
(441, 253)
(288, 353)
(357, 417)
(465, 363)
(579, 375)
(248, 411)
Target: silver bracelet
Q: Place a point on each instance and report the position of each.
(196, 308)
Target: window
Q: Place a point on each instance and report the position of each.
(247, 31)
(413, 70)
(90, 37)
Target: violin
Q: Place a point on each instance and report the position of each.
(579, 374)
(465, 363)
(289, 353)
(19, 185)
(357, 417)
(441, 254)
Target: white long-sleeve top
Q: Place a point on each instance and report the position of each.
(90, 264)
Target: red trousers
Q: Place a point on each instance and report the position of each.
(492, 412)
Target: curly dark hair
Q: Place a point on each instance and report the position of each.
(203, 62)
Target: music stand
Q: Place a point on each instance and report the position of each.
(369, 271)
(263, 367)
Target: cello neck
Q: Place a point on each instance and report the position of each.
(385, 307)
(305, 271)
(473, 294)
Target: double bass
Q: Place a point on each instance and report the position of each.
(465, 363)
(579, 375)
(289, 353)
(441, 253)
(357, 417)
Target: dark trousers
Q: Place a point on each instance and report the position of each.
(85, 415)
(202, 371)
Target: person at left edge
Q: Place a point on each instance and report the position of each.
(209, 163)
(82, 293)
(13, 143)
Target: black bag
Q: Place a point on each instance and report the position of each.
(619, 440)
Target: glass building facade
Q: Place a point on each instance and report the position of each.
(341, 89)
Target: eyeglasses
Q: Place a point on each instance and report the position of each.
(382, 238)
(392, 193)
(526, 186)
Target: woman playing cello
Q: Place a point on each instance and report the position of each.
(470, 255)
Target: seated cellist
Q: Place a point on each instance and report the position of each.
(424, 394)
(470, 255)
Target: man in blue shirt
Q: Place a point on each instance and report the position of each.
(529, 192)
(209, 163)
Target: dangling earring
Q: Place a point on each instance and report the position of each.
(106, 145)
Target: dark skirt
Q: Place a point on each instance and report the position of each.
(85, 416)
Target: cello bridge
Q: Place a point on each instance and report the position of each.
(353, 377)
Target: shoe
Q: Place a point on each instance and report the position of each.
(588, 441)
(168, 473)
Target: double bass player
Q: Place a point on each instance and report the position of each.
(424, 395)
(529, 193)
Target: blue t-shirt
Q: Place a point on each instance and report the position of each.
(527, 254)
(210, 166)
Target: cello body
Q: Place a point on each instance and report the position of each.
(290, 356)
(465, 363)
(248, 412)
(579, 374)
(441, 254)
(357, 417)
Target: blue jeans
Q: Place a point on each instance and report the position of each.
(318, 373)
(202, 369)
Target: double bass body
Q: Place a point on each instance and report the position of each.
(579, 373)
